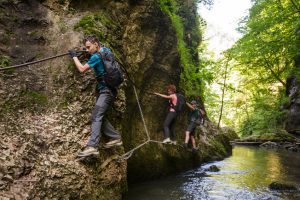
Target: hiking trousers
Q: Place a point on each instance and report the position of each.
(169, 126)
(99, 121)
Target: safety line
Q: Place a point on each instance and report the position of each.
(129, 153)
(141, 112)
(33, 62)
(38, 61)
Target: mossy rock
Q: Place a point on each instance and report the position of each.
(5, 61)
(281, 186)
(99, 24)
(278, 136)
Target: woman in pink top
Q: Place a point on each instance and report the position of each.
(169, 124)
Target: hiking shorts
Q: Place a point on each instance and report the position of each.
(191, 128)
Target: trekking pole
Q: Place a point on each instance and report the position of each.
(37, 61)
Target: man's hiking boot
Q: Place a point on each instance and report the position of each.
(185, 145)
(194, 150)
(88, 151)
(167, 141)
(112, 143)
(173, 142)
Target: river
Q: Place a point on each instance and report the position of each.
(244, 175)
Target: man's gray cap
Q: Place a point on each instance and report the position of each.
(194, 102)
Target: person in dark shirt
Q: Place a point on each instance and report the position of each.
(193, 121)
(105, 97)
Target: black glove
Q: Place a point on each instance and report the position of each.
(72, 53)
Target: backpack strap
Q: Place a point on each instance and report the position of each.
(101, 58)
(198, 113)
(171, 105)
(202, 115)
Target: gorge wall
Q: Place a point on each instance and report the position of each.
(292, 123)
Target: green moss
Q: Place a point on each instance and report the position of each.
(5, 61)
(95, 24)
(219, 148)
(35, 97)
(88, 25)
(28, 100)
(190, 67)
(277, 136)
(6, 108)
(32, 33)
(163, 160)
(62, 2)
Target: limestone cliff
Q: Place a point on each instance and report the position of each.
(292, 123)
(45, 108)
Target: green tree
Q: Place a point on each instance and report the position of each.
(264, 58)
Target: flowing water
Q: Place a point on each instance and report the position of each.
(244, 175)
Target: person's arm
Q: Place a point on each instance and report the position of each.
(202, 115)
(163, 96)
(190, 106)
(80, 67)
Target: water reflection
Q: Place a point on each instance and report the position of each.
(251, 168)
(275, 168)
(244, 175)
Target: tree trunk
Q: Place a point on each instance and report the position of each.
(223, 94)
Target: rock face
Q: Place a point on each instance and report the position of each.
(155, 161)
(45, 108)
(292, 123)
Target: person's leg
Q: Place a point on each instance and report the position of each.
(109, 131)
(193, 141)
(167, 124)
(188, 132)
(172, 128)
(187, 137)
(192, 128)
(102, 104)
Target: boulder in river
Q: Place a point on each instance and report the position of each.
(269, 144)
(281, 186)
(213, 168)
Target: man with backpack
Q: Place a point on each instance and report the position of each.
(105, 94)
(175, 106)
(195, 119)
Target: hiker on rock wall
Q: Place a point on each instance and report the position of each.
(169, 123)
(195, 119)
(105, 96)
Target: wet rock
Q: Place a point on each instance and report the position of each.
(292, 123)
(281, 186)
(230, 133)
(286, 145)
(269, 144)
(213, 168)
